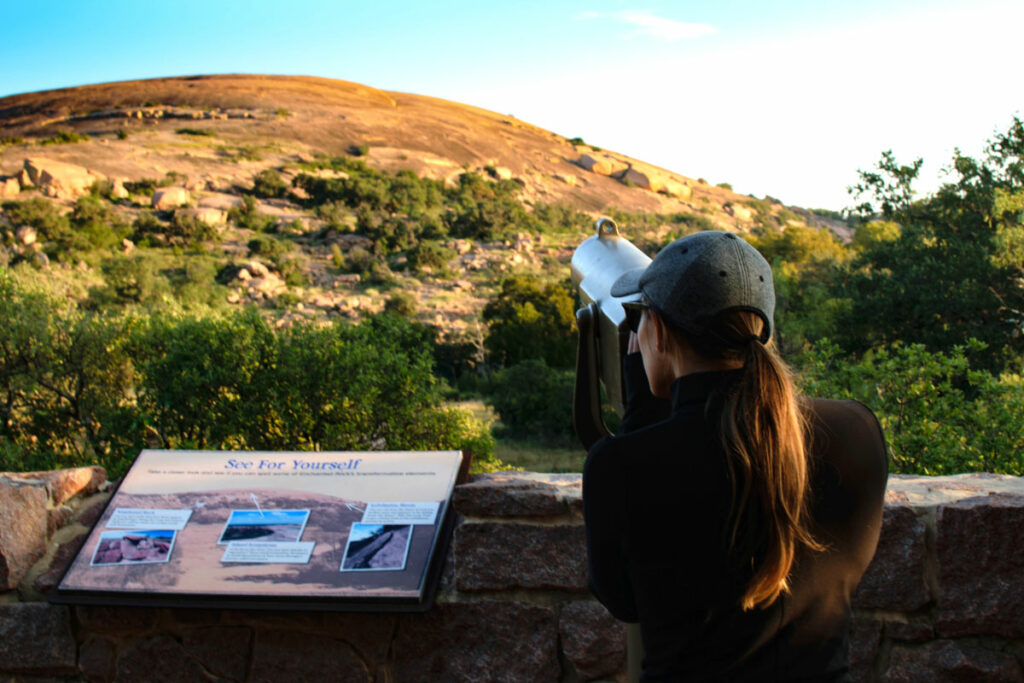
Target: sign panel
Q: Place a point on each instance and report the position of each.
(335, 530)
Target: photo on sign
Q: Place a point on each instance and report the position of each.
(133, 547)
(283, 526)
(377, 547)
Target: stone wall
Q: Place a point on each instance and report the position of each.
(943, 599)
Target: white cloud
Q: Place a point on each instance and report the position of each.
(647, 24)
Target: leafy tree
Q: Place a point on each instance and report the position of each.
(954, 270)
(939, 415)
(531, 320)
(804, 262)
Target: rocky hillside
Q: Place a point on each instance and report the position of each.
(172, 154)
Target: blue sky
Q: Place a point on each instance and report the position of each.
(786, 99)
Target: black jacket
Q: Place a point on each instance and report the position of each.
(655, 501)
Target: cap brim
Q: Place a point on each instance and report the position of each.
(628, 283)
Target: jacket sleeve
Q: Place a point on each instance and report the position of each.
(642, 408)
(604, 514)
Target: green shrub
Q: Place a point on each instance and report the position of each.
(359, 150)
(528, 320)
(248, 216)
(268, 183)
(401, 303)
(534, 400)
(269, 247)
(129, 280)
(725, 186)
(146, 186)
(64, 137)
(337, 258)
(360, 260)
(41, 214)
(185, 229)
(431, 254)
(198, 132)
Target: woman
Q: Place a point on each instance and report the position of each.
(730, 518)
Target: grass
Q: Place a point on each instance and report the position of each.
(540, 458)
(532, 457)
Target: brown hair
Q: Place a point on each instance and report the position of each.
(763, 432)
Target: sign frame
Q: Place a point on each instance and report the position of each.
(255, 490)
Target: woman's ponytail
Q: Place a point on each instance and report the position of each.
(763, 432)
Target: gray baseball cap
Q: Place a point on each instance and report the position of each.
(700, 276)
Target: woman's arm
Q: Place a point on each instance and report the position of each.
(604, 514)
(642, 408)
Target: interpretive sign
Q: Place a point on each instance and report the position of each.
(349, 530)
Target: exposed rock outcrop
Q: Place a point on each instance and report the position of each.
(59, 179)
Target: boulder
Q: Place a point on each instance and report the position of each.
(676, 189)
(22, 531)
(257, 269)
(644, 181)
(502, 173)
(9, 188)
(599, 166)
(59, 179)
(25, 235)
(742, 214)
(118, 191)
(168, 198)
(268, 285)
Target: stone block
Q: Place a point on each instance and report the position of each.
(96, 658)
(981, 567)
(79, 481)
(290, 656)
(592, 640)
(509, 556)
(222, 650)
(369, 634)
(63, 485)
(62, 559)
(91, 511)
(103, 619)
(913, 631)
(895, 578)
(865, 638)
(514, 495)
(158, 659)
(35, 638)
(945, 660)
(22, 531)
(56, 518)
(480, 641)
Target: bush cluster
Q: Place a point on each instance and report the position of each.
(88, 388)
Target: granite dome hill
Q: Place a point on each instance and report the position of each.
(296, 116)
